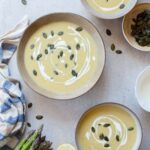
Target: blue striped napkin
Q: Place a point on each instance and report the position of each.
(12, 101)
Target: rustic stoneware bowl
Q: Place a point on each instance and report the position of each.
(69, 17)
(87, 113)
(128, 21)
(119, 14)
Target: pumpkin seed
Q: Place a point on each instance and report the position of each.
(56, 72)
(38, 57)
(108, 32)
(106, 125)
(24, 2)
(74, 73)
(117, 138)
(35, 72)
(118, 52)
(51, 46)
(61, 53)
(71, 56)
(78, 46)
(28, 124)
(32, 46)
(131, 129)
(52, 33)
(106, 138)
(101, 137)
(122, 6)
(39, 117)
(46, 51)
(45, 35)
(113, 47)
(106, 145)
(30, 105)
(66, 65)
(31, 57)
(93, 129)
(60, 33)
(79, 29)
(69, 47)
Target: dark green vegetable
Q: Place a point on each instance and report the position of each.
(74, 73)
(79, 29)
(39, 117)
(24, 140)
(60, 33)
(141, 28)
(93, 129)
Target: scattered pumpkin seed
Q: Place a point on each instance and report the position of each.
(71, 56)
(69, 47)
(39, 117)
(122, 6)
(117, 138)
(35, 72)
(79, 29)
(45, 35)
(51, 46)
(30, 105)
(118, 52)
(28, 124)
(32, 46)
(31, 57)
(113, 47)
(60, 33)
(93, 129)
(131, 129)
(61, 53)
(99, 124)
(74, 73)
(24, 2)
(39, 56)
(78, 46)
(66, 65)
(106, 145)
(106, 125)
(106, 138)
(108, 32)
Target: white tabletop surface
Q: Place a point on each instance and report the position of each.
(115, 85)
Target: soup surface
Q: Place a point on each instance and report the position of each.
(61, 57)
(107, 127)
(107, 6)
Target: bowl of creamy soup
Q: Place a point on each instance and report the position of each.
(109, 9)
(61, 56)
(108, 126)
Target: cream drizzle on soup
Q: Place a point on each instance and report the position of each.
(107, 127)
(107, 6)
(61, 57)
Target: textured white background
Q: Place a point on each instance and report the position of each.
(115, 85)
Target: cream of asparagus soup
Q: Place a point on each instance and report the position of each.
(108, 127)
(61, 57)
(107, 6)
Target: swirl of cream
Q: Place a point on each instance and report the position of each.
(119, 126)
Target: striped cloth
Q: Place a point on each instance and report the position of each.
(12, 102)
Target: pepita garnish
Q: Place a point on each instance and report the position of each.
(51, 46)
(61, 53)
(32, 46)
(79, 29)
(66, 65)
(117, 138)
(56, 72)
(113, 47)
(34, 72)
(30, 105)
(93, 129)
(71, 56)
(24, 2)
(106, 125)
(46, 51)
(69, 47)
(108, 32)
(131, 129)
(74, 73)
(60, 33)
(39, 117)
(39, 56)
(101, 137)
(28, 124)
(122, 6)
(78, 46)
(106, 138)
(106, 145)
(45, 35)
(52, 33)
(118, 52)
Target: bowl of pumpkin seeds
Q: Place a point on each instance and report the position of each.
(136, 27)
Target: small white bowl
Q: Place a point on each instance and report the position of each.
(142, 89)
(104, 15)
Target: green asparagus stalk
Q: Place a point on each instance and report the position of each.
(29, 142)
(23, 141)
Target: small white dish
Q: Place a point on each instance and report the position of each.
(142, 89)
(113, 15)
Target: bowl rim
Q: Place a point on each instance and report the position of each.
(140, 48)
(131, 5)
(141, 74)
(85, 91)
(109, 103)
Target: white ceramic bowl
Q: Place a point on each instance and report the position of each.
(118, 14)
(142, 89)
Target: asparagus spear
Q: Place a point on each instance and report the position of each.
(23, 141)
(29, 142)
